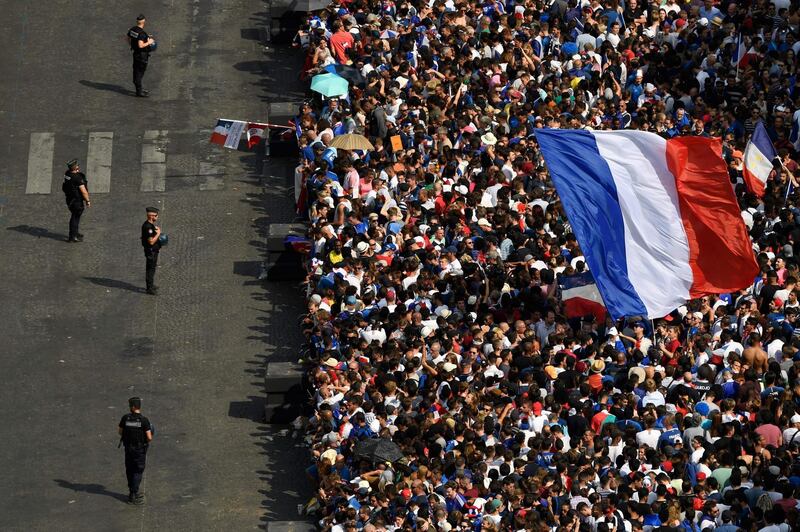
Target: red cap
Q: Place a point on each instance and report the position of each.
(406, 493)
(537, 408)
(667, 466)
(778, 302)
(701, 476)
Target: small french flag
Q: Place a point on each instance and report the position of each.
(759, 155)
(739, 51)
(581, 297)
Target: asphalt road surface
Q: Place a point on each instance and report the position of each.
(79, 335)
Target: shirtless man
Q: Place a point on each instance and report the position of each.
(753, 355)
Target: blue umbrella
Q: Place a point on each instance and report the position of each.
(329, 85)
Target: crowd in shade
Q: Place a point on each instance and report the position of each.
(436, 322)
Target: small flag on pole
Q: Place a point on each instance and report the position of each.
(739, 51)
(298, 131)
(759, 155)
(228, 133)
(581, 297)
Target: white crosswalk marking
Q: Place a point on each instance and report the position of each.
(154, 161)
(40, 163)
(98, 161)
(206, 170)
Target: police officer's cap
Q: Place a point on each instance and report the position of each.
(151, 209)
(135, 402)
(140, 18)
(72, 163)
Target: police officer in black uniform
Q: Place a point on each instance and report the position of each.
(152, 245)
(76, 194)
(141, 45)
(136, 433)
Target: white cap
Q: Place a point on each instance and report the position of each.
(796, 418)
(449, 366)
(612, 331)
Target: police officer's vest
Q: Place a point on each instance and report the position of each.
(71, 187)
(134, 427)
(135, 33)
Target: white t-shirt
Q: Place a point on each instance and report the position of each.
(653, 398)
(648, 437)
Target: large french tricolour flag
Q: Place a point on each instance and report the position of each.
(758, 156)
(581, 297)
(656, 219)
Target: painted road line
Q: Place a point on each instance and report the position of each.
(98, 161)
(154, 161)
(40, 163)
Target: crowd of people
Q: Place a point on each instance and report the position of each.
(435, 318)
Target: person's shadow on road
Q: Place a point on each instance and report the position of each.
(106, 87)
(94, 489)
(114, 283)
(39, 232)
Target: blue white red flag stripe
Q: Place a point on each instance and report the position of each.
(220, 133)
(228, 133)
(739, 51)
(581, 296)
(657, 219)
(758, 156)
